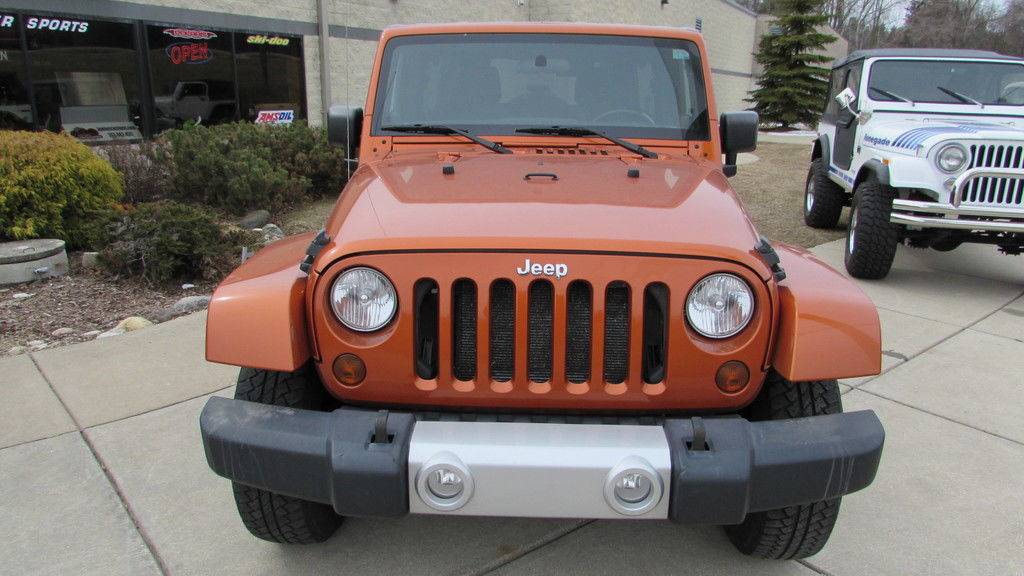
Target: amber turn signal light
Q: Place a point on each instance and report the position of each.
(732, 377)
(349, 369)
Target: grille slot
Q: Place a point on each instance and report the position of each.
(616, 333)
(540, 330)
(425, 329)
(579, 317)
(655, 333)
(995, 191)
(464, 329)
(503, 330)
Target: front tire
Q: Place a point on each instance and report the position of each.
(267, 515)
(823, 198)
(871, 238)
(794, 531)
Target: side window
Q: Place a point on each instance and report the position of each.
(853, 82)
(835, 87)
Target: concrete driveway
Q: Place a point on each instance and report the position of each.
(102, 472)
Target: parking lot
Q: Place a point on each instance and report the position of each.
(103, 472)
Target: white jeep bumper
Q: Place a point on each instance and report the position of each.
(983, 199)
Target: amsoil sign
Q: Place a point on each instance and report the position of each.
(275, 117)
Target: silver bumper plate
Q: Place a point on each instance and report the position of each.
(539, 470)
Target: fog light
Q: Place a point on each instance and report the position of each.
(444, 483)
(633, 487)
(732, 377)
(349, 369)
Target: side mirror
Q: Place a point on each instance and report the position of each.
(846, 98)
(738, 132)
(344, 126)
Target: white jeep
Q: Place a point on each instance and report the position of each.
(927, 146)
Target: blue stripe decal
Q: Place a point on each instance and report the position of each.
(911, 139)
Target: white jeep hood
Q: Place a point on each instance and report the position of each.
(910, 135)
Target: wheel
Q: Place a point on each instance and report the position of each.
(871, 239)
(271, 516)
(795, 531)
(823, 198)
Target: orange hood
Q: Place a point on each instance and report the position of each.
(677, 205)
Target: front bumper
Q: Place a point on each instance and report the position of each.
(712, 470)
(990, 184)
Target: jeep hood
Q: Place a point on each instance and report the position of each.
(909, 135)
(581, 202)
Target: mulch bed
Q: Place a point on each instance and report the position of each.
(83, 301)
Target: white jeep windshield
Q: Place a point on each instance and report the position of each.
(630, 87)
(947, 82)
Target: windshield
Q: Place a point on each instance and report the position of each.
(940, 81)
(492, 84)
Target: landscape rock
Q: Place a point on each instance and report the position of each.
(22, 295)
(187, 286)
(91, 334)
(271, 233)
(190, 304)
(90, 259)
(61, 332)
(109, 333)
(133, 323)
(37, 344)
(17, 350)
(254, 219)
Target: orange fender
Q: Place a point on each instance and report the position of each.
(828, 327)
(257, 317)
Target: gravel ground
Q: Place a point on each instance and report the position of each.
(81, 301)
(772, 189)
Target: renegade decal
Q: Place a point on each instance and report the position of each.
(875, 140)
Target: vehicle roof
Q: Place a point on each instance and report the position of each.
(540, 27)
(921, 53)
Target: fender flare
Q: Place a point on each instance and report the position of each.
(822, 149)
(257, 316)
(873, 166)
(828, 328)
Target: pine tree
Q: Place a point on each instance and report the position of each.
(792, 88)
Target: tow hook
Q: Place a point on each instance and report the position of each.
(699, 443)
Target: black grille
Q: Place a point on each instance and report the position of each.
(579, 310)
(503, 330)
(540, 330)
(655, 332)
(425, 332)
(616, 333)
(464, 329)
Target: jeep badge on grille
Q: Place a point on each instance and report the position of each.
(537, 269)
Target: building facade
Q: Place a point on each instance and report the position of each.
(121, 70)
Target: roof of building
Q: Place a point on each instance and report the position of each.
(920, 53)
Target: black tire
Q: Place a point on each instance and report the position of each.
(871, 239)
(794, 531)
(823, 198)
(270, 516)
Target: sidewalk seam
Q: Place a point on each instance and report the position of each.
(541, 542)
(806, 564)
(157, 559)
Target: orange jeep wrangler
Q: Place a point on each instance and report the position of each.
(538, 295)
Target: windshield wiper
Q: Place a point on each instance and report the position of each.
(438, 129)
(961, 97)
(892, 95)
(578, 131)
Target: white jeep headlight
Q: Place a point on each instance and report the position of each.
(720, 305)
(951, 158)
(363, 299)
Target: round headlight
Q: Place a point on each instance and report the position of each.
(363, 299)
(720, 305)
(951, 158)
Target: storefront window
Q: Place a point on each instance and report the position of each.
(84, 77)
(271, 84)
(15, 109)
(193, 76)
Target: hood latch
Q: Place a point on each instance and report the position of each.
(771, 258)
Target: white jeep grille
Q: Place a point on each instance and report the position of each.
(1005, 192)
